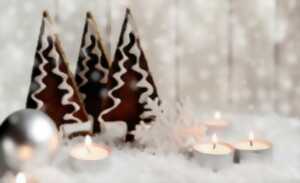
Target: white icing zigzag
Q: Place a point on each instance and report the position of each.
(86, 58)
(118, 76)
(143, 83)
(48, 32)
(96, 50)
(65, 86)
(99, 67)
(39, 79)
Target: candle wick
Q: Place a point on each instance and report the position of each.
(214, 145)
(88, 149)
(251, 143)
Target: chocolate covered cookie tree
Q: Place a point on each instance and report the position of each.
(132, 93)
(92, 70)
(52, 88)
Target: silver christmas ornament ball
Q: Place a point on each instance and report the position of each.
(28, 138)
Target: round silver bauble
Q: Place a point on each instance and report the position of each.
(28, 138)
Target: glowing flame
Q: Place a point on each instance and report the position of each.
(214, 139)
(88, 140)
(251, 136)
(217, 115)
(21, 178)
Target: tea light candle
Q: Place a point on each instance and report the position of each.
(22, 178)
(252, 148)
(215, 154)
(89, 154)
(217, 123)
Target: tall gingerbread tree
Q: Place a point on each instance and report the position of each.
(53, 89)
(131, 90)
(92, 70)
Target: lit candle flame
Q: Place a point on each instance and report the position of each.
(88, 140)
(217, 115)
(251, 138)
(21, 178)
(214, 139)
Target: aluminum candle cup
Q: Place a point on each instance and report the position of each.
(90, 156)
(253, 149)
(215, 155)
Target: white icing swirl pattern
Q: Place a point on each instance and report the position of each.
(91, 31)
(143, 83)
(117, 76)
(39, 79)
(65, 86)
(100, 67)
(85, 55)
(49, 33)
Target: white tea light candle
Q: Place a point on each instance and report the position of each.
(214, 154)
(23, 178)
(216, 124)
(252, 148)
(89, 154)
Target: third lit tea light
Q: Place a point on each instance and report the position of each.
(253, 149)
(216, 124)
(89, 154)
(214, 154)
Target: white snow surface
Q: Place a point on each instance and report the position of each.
(132, 163)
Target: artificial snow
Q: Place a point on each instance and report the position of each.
(136, 163)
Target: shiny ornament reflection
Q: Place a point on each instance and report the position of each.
(27, 138)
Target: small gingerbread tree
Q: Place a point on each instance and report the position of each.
(130, 84)
(92, 70)
(52, 88)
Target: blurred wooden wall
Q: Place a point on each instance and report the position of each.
(231, 55)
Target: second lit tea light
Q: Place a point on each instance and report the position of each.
(252, 149)
(89, 154)
(214, 154)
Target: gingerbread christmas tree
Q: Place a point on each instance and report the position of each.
(52, 88)
(131, 90)
(92, 70)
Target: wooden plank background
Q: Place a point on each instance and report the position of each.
(231, 55)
